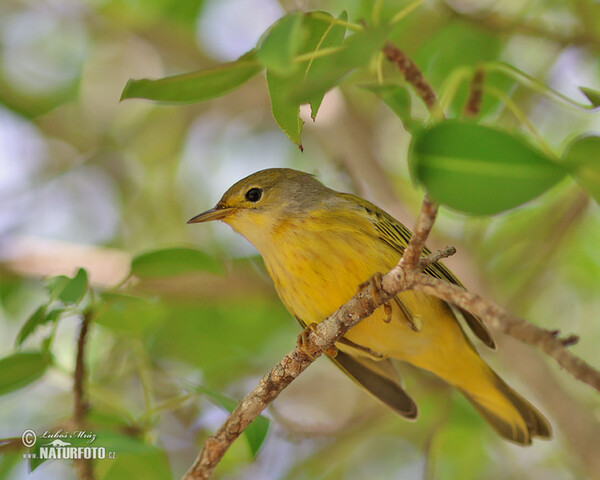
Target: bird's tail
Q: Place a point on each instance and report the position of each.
(506, 411)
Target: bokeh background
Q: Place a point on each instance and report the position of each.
(88, 181)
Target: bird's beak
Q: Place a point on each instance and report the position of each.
(216, 213)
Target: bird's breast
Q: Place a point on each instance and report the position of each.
(317, 270)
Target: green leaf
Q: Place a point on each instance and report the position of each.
(285, 112)
(255, 433)
(327, 35)
(582, 157)
(21, 369)
(36, 460)
(39, 317)
(592, 95)
(281, 44)
(173, 261)
(456, 44)
(317, 34)
(196, 86)
(478, 169)
(8, 461)
(55, 285)
(30, 325)
(74, 290)
(130, 315)
(356, 51)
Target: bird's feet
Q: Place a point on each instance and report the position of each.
(377, 289)
(302, 342)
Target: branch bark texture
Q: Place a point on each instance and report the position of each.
(411, 73)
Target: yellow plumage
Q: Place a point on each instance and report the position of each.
(319, 245)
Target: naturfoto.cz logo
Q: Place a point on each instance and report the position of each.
(60, 446)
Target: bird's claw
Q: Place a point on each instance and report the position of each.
(302, 342)
(375, 282)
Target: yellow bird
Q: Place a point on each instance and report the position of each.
(318, 245)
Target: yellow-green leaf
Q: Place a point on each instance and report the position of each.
(582, 157)
(478, 169)
(281, 44)
(196, 86)
(21, 369)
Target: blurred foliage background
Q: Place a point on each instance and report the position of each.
(87, 181)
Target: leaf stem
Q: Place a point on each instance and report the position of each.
(355, 27)
(518, 113)
(376, 12)
(310, 56)
(535, 85)
(145, 380)
(314, 52)
(405, 11)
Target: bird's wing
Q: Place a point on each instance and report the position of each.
(396, 235)
(379, 377)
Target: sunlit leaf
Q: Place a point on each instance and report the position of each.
(356, 51)
(583, 158)
(74, 290)
(55, 285)
(592, 95)
(31, 324)
(21, 369)
(478, 169)
(196, 86)
(39, 317)
(173, 261)
(317, 35)
(255, 433)
(285, 112)
(281, 44)
(328, 36)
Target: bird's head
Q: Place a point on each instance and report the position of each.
(261, 201)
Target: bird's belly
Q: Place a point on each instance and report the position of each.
(313, 286)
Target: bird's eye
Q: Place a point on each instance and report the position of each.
(254, 194)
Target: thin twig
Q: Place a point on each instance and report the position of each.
(473, 105)
(83, 467)
(79, 402)
(436, 256)
(423, 226)
(411, 73)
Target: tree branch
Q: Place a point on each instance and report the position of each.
(83, 467)
(496, 317)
